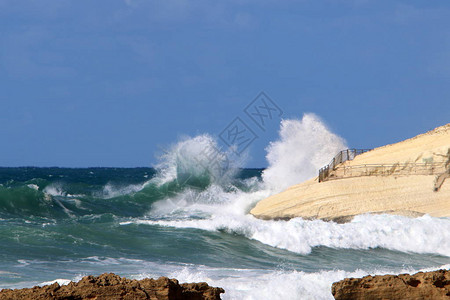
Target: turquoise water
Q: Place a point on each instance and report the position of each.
(58, 223)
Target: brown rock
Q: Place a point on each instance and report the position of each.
(113, 287)
(429, 285)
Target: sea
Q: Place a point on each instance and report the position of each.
(188, 219)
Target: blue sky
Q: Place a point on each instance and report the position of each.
(109, 83)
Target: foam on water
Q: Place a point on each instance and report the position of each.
(254, 284)
(194, 203)
(32, 186)
(54, 190)
(58, 190)
(112, 191)
(59, 281)
(300, 236)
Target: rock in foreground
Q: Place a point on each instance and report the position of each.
(112, 287)
(430, 285)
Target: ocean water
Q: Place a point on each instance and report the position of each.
(186, 220)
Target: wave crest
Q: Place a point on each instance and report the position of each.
(300, 236)
(196, 161)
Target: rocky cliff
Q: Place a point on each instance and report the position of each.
(407, 178)
(430, 285)
(113, 287)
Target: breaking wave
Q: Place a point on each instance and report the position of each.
(300, 236)
(303, 146)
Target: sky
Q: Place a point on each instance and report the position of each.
(114, 83)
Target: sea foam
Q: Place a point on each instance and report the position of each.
(303, 147)
(417, 235)
(252, 284)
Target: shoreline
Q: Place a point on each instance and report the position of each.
(420, 285)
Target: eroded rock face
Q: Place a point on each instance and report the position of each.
(113, 287)
(429, 285)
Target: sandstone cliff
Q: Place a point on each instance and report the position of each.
(430, 285)
(400, 179)
(113, 287)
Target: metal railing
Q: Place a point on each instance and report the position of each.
(389, 169)
(332, 171)
(342, 156)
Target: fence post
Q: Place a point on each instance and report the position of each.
(324, 173)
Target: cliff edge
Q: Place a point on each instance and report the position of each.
(407, 178)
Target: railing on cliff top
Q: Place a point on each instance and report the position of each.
(388, 169)
(341, 157)
(331, 171)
